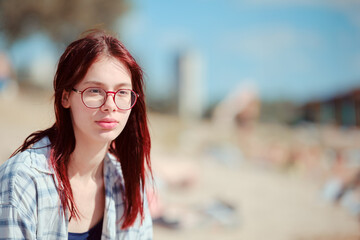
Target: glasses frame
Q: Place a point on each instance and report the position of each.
(106, 96)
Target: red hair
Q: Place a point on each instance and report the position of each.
(131, 147)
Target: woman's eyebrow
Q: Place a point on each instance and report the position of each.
(93, 83)
(124, 85)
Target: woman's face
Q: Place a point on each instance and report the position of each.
(102, 124)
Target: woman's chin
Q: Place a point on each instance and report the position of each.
(108, 136)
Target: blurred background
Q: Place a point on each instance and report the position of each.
(254, 106)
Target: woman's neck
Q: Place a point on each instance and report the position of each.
(86, 162)
(85, 171)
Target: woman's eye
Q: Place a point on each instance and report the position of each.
(122, 92)
(94, 90)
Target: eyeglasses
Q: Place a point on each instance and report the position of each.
(93, 97)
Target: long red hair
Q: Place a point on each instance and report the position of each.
(131, 147)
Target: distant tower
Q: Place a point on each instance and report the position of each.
(190, 85)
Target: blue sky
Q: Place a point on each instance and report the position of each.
(289, 49)
(294, 49)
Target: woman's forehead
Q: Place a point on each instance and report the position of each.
(108, 71)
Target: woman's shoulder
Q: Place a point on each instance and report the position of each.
(16, 165)
(20, 172)
(35, 157)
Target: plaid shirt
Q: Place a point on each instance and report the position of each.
(30, 206)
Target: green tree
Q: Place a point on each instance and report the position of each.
(62, 20)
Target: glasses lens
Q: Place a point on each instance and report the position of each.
(125, 99)
(94, 97)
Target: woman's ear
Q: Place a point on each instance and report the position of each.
(65, 99)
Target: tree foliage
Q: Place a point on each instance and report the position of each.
(62, 20)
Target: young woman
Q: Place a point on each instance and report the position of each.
(84, 177)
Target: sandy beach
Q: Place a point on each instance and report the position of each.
(226, 196)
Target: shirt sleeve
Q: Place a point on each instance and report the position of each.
(18, 199)
(14, 224)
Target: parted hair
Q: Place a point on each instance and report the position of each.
(131, 148)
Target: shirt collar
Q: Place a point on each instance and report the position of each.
(112, 168)
(40, 155)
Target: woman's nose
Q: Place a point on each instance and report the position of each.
(109, 104)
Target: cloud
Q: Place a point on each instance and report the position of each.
(176, 38)
(283, 59)
(269, 43)
(285, 3)
(349, 8)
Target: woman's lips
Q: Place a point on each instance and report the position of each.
(107, 124)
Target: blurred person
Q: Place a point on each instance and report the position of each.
(235, 119)
(84, 177)
(175, 175)
(241, 108)
(348, 195)
(8, 86)
(342, 186)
